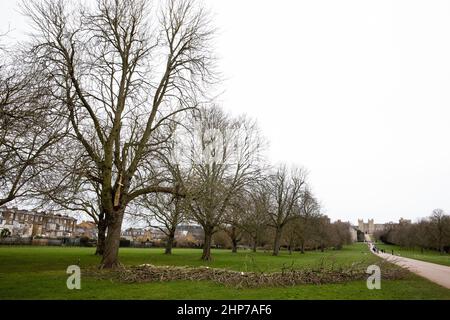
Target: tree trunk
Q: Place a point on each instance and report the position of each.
(112, 241)
(169, 244)
(233, 234)
(255, 244)
(101, 237)
(303, 247)
(276, 245)
(234, 245)
(206, 255)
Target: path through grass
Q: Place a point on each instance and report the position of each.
(416, 253)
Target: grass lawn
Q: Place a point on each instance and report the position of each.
(415, 253)
(39, 273)
(24, 258)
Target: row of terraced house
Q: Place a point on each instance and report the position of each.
(154, 234)
(32, 223)
(24, 223)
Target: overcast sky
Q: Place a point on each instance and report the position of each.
(358, 92)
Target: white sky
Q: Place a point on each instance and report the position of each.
(356, 91)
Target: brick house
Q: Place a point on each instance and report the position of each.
(29, 223)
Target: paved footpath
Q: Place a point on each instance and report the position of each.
(434, 272)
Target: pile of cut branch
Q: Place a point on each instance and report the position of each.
(284, 278)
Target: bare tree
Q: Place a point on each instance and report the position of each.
(322, 232)
(166, 213)
(233, 221)
(438, 220)
(309, 210)
(28, 130)
(254, 216)
(300, 229)
(67, 186)
(340, 234)
(289, 235)
(284, 191)
(122, 70)
(225, 158)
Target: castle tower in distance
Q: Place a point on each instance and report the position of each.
(370, 227)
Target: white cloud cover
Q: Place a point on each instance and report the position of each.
(356, 91)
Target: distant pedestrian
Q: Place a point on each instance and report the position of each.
(392, 251)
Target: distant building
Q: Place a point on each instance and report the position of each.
(185, 230)
(29, 223)
(353, 234)
(153, 234)
(137, 234)
(370, 227)
(86, 229)
(404, 221)
(157, 234)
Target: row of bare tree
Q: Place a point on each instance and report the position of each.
(226, 185)
(432, 232)
(275, 208)
(106, 110)
(300, 234)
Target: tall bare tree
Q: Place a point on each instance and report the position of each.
(225, 158)
(284, 190)
(122, 70)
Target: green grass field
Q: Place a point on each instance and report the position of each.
(415, 253)
(39, 273)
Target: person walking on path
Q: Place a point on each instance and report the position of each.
(437, 273)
